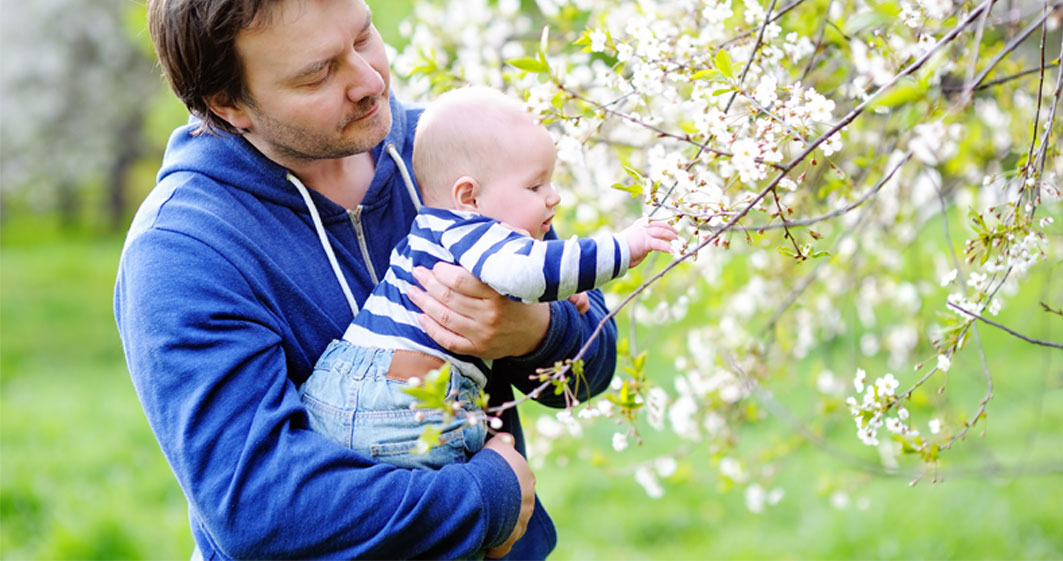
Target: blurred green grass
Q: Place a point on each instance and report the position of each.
(82, 475)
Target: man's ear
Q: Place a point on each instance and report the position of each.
(230, 111)
(463, 193)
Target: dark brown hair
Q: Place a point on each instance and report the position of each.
(195, 41)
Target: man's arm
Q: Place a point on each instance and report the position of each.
(208, 360)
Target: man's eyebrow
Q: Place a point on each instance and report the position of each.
(321, 64)
(309, 70)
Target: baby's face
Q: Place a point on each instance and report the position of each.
(520, 193)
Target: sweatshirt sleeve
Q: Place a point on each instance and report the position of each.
(208, 363)
(536, 270)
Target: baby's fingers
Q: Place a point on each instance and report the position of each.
(662, 231)
(660, 245)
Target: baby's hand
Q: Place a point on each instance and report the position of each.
(581, 301)
(643, 237)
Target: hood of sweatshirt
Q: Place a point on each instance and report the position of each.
(232, 160)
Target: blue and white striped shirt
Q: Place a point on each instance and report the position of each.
(514, 264)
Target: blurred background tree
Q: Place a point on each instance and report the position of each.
(77, 88)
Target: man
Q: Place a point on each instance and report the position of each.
(235, 277)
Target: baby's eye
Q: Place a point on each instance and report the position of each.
(534, 188)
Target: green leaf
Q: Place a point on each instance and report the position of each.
(429, 439)
(864, 20)
(635, 190)
(640, 361)
(707, 74)
(528, 64)
(723, 63)
(905, 91)
(633, 173)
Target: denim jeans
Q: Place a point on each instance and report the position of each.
(350, 400)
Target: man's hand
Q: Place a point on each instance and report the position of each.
(643, 237)
(502, 443)
(466, 316)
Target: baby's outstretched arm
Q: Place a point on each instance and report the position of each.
(645, 236)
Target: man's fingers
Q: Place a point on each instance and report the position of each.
(432, 285)
(460, 281)
(446, 338)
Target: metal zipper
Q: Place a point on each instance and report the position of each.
(356, 221)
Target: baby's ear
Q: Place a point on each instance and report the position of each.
(463, 193)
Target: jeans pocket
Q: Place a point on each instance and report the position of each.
(328, 419)
(403, 451)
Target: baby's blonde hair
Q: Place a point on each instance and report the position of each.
(459, 134)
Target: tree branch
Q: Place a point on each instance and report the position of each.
(1005, 328)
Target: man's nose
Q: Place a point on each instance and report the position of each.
(362, 79)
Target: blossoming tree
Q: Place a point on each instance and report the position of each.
(805, 148)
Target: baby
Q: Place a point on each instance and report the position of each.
(483, 165)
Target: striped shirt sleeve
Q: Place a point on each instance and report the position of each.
(535, 270)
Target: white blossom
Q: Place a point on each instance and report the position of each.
(598, 39)
(910, 15)
(886, 384)
(732, 469)
(755, 498)
(665, 466)
(831, 145)
(859, 379)
(764, 94)
(717, 12)
(645, 477)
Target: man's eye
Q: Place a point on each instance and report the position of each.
(317, 81)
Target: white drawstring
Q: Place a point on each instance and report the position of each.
(394, 153)
(320, 228)
(324, 242)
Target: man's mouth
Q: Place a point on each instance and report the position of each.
(372, 107)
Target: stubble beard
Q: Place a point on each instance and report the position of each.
(299, 144)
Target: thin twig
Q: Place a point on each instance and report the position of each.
(986, 85)
(1014, 44)
(974, 58)
(1006, 329)
(1052, 113)
(752, 55)
(982, 405)
(819, 41)
(782, 11)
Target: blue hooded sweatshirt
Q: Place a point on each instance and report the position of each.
(225, 298)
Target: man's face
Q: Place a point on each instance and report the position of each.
(318, 77)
